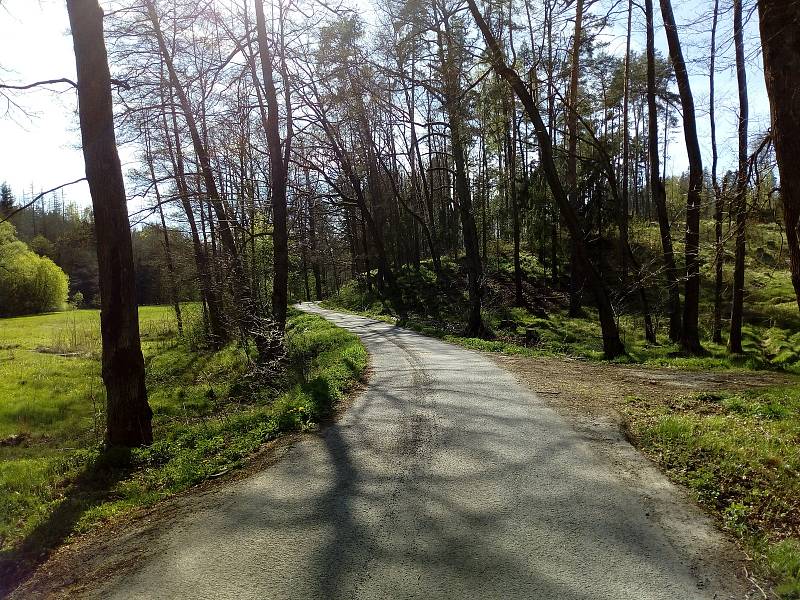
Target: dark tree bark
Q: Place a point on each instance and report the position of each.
(278, 169)
(128, 415)
(779, 21)
(623, 209)
(612, 344)
(516, 209)
(456, 118)
(576, 276)
(690, 333)
(657, 185)
(719, 256)
(312, 238)
(737, 306)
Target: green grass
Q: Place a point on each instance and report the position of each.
(739, 455)
(208, 417)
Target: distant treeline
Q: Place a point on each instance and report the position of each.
(64, 233)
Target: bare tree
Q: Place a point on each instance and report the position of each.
(737, 306)
(690, 333)
(657, 185)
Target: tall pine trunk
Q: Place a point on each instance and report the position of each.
(576, 275)
(657, 185)
(690, 333)
(456, 119)
(278, 178)
(719, 249)
(623, 209)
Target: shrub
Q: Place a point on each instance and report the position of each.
(29, 283)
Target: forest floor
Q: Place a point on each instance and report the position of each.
(434, 482)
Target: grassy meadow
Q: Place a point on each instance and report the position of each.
(208, 415)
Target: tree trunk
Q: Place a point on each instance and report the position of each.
(278, 176)
(737, 306)
(612, 344)
(657, 185)
(779, 21)
(456, 118)
(475, 324)
(128, 415)
(623, 209)
(719, 256)
(213, 306)
(312, 238)
(511, 163)
(690, 334)
(576, 276)
(173, 279)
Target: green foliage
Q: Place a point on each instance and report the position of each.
(208, 417)
(42, 246)
(77, 301)
(29, 283)
(784, 560)
(738, 453)
(6, 200)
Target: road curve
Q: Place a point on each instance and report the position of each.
(445, 479)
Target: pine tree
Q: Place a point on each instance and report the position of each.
(6, 200)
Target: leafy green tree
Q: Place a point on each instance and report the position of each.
(29, 283)
(42, 246)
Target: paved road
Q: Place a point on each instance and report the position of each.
(445, 479)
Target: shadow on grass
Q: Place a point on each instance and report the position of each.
(90, 488)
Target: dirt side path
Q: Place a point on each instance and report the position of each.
(592, 396)
(594, 386)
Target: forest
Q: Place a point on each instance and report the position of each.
(497, 174)
(468, 143)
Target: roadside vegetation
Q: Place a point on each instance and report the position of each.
(542, 327)
(29, 283)
(739, 455)
(209, 414)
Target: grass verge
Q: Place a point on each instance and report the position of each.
(739, 455)
(54, 479)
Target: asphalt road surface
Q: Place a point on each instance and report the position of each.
(445, 479)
